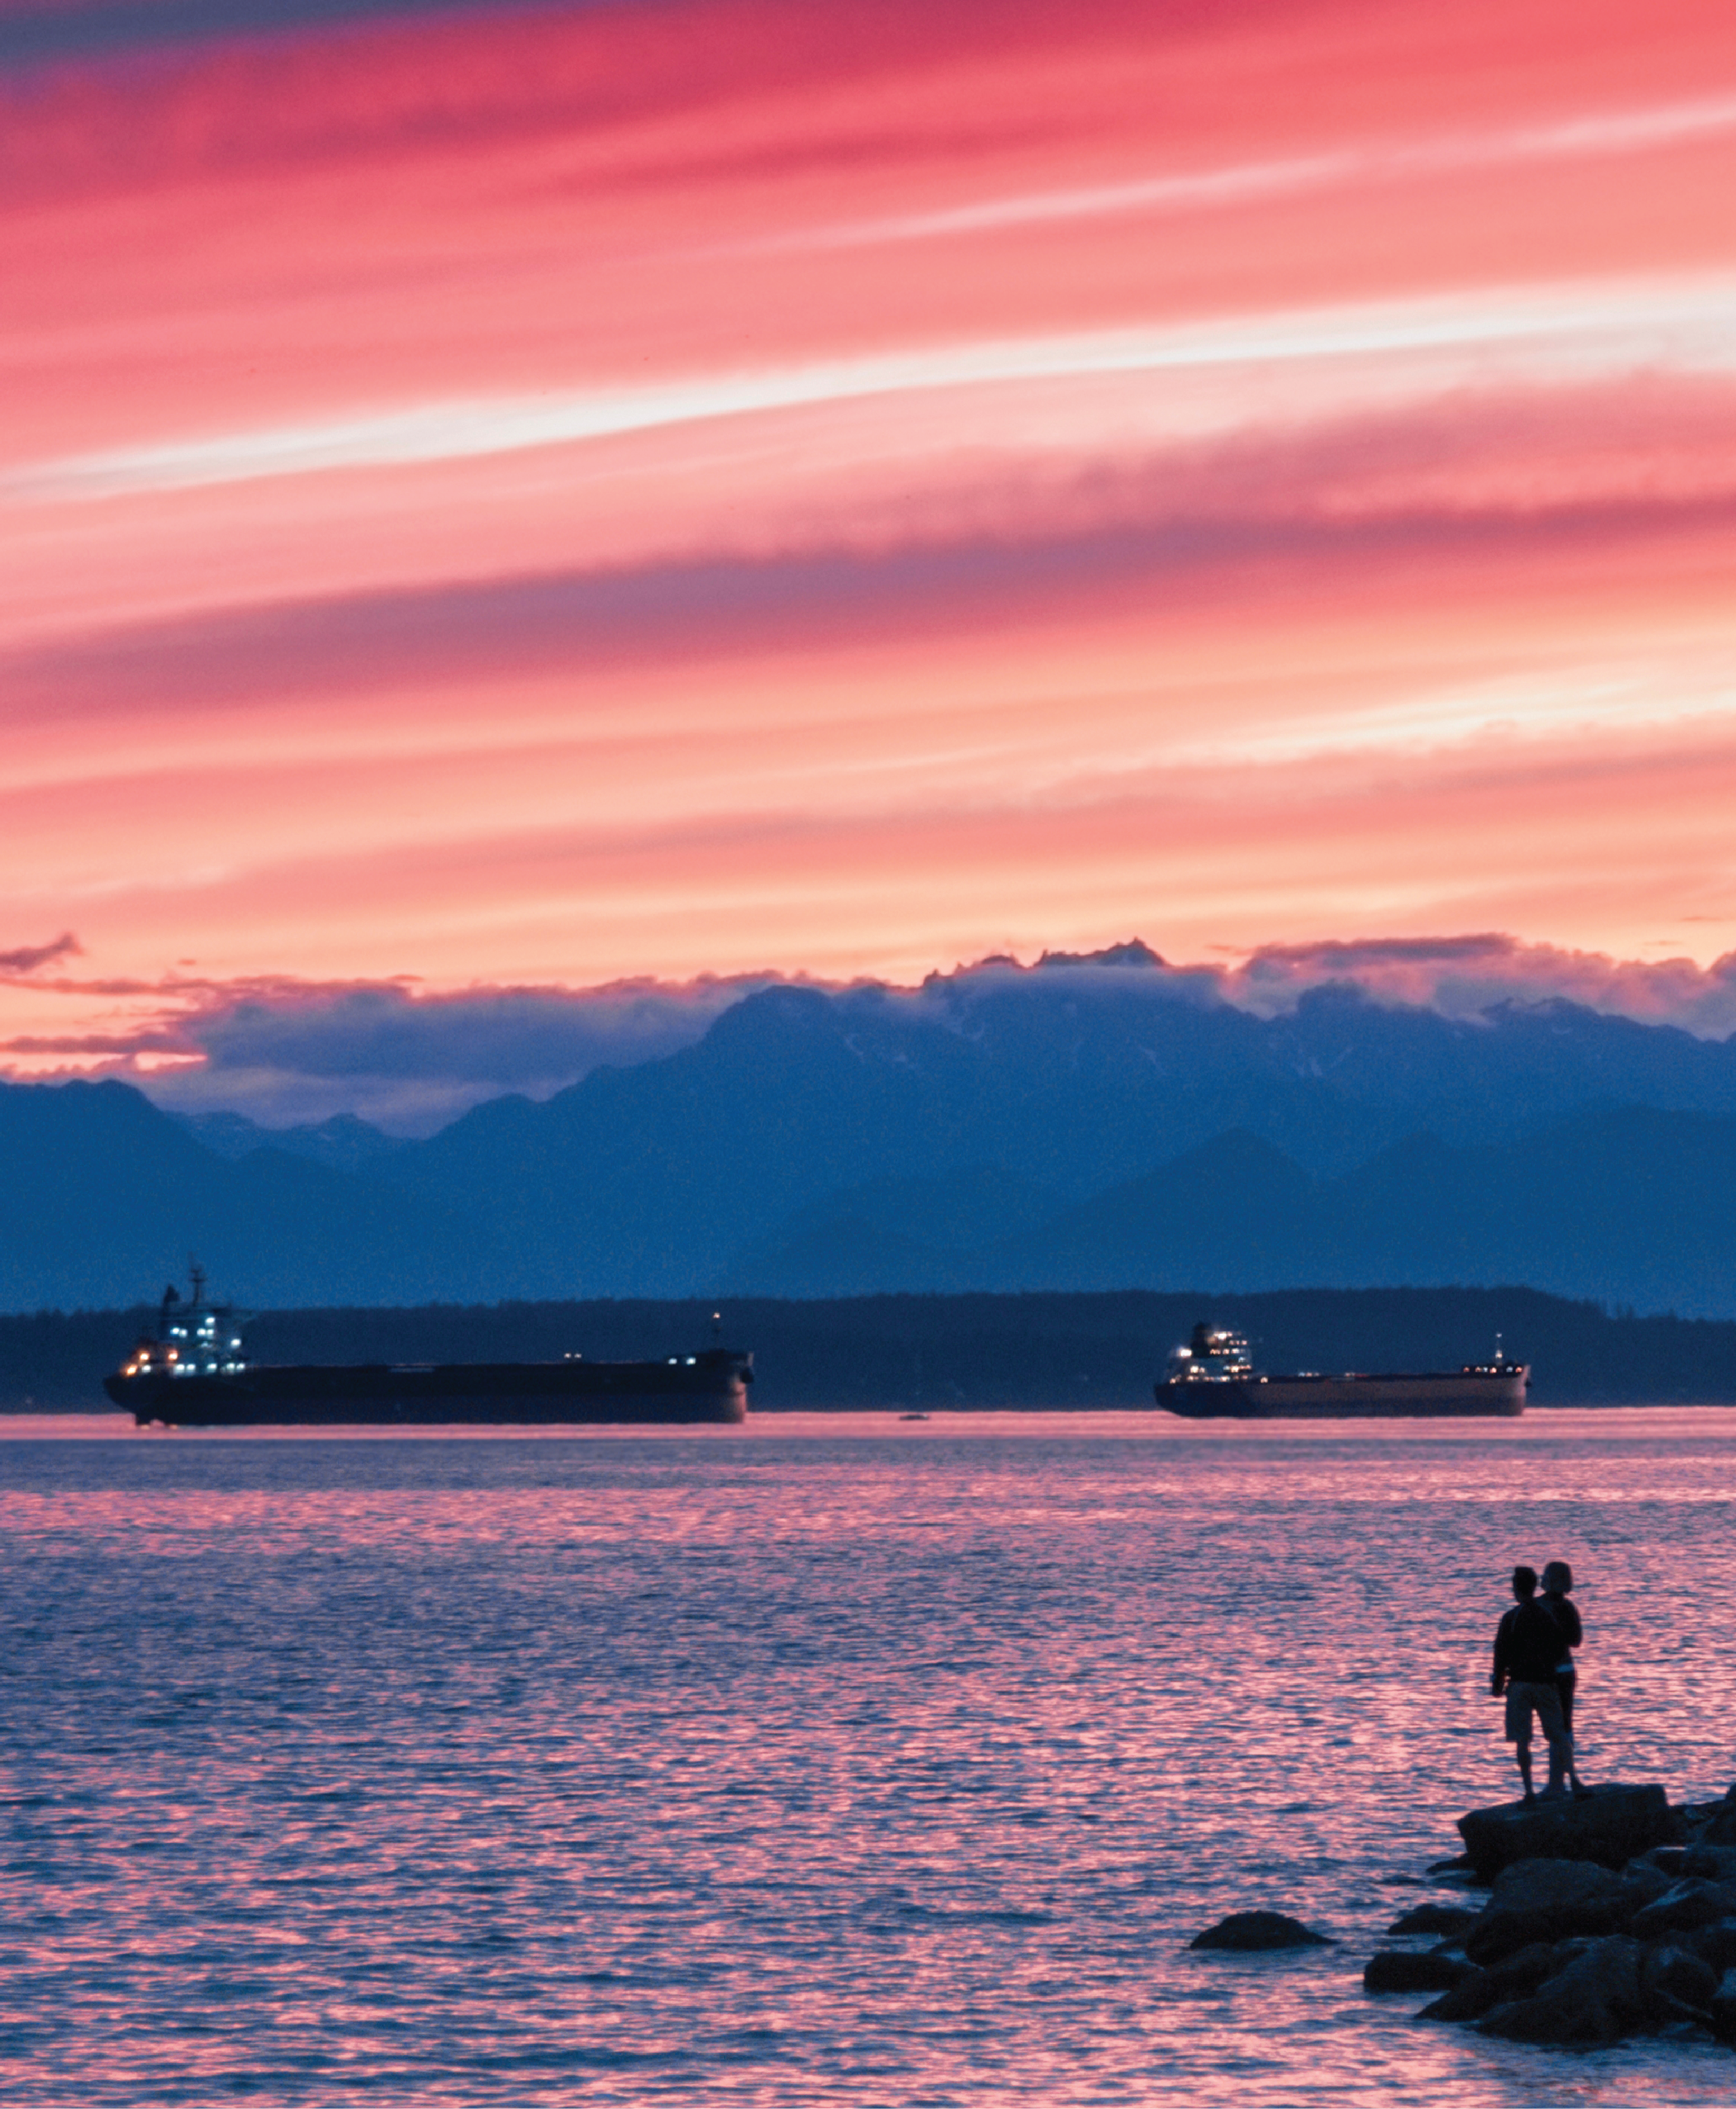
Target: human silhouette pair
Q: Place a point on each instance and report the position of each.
(1533, 1670)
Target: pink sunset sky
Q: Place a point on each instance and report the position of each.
(508, 499)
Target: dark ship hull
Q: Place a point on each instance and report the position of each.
(1498, 1389)
(709, 1388)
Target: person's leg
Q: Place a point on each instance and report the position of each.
(1561, 1766)
(1548, 1700)
(1517, 1724)
(1567, 1685)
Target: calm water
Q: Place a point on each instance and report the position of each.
(814, 1763)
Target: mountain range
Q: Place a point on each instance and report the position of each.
(1096, 1123)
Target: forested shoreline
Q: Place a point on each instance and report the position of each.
(965, 1352)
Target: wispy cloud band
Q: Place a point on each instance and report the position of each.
(1592, 136)
(539, 499)
(1576, 333)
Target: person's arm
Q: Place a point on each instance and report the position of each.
(1498, 1675)
(1567, 1618)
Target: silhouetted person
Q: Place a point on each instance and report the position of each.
(1527, 1647)
(1557, 1579)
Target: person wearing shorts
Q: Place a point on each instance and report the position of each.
(1527, 1647)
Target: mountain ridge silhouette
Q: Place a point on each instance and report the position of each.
(1085, 1128)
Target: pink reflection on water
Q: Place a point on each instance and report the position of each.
(806, 1771)
(1547, 1423)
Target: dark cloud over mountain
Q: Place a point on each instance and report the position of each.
(286, 1053)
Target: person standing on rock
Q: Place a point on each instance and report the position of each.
(1557, 1579)
(1527, 1647)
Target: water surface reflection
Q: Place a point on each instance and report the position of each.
(827, 1762)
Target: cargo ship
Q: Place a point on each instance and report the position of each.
(1214, 1377)
(192, 1371)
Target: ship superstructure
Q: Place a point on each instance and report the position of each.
(193, 1338)
(1213, 1377)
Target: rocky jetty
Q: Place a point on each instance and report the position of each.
(1606, 1917)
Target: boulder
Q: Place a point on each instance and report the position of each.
(1721, 2008)
(1565, 1885)
(1718, 1825)
(1492, 1940)
(1610, 1828)
(1478, 1991)
(1469, 2000)
(1647, 1883)
(1405, 1970)
(1550, 1900)
(1683, 1909)
(1435, 1918)
(1254, 1932)
(1676, 1984)
(1595, 1998)
(1703, 1863)
(1714, 1943)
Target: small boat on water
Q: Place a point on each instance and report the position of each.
(1213, 1378)
(193, 1371)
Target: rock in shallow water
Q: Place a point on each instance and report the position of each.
(1405, 1970)
(1469, 2000)
(1248, 1933)
(1595, 1998)
(1478, 1991)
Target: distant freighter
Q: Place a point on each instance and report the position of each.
(1213, 1378)
(193, 1372)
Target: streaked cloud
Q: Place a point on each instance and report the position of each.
(1590, 136)
(503, 504)
(1565, 334)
